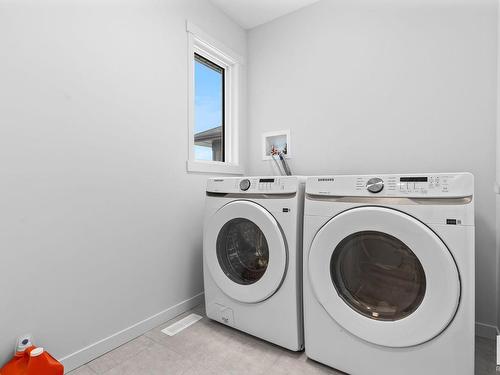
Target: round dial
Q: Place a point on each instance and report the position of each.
(245, 184)
(375, 185)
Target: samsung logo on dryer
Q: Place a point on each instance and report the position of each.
(331, 179)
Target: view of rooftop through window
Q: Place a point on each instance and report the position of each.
(209, 110)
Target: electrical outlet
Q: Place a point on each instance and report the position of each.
(23, 342)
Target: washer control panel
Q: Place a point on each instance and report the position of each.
(411, 185)
(254, 185)
(268, 184)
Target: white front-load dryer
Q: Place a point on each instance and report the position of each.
(252, 251)
(389, 273)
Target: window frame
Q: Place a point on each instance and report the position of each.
(210, 49)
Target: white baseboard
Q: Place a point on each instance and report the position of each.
(103, 346)
(487, 331)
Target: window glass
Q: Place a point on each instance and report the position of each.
(242, 251)
(377, 275)
(209, 110)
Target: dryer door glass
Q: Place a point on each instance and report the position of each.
(242, 251)
(377, 275)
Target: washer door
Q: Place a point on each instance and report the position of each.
(384, 276)
(245, 251)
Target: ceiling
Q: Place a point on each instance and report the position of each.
(251, 13)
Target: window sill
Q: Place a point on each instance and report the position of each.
(213, 167)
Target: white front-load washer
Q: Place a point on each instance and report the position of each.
(389, 273)
(252, 251)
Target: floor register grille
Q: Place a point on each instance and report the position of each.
(182, 324)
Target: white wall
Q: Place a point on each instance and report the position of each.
(384, 86)
(100, 225)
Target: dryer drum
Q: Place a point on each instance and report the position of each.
(378, 275)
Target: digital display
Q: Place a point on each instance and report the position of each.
(413, 179)
(264, 180)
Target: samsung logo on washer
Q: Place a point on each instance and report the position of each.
(326, 179)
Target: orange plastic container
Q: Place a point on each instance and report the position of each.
(33, 361)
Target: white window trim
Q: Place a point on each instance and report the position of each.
(201, 43)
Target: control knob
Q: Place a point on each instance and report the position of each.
(375, 185)
(245, 184)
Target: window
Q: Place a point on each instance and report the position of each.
(208, 110)
(213, 105)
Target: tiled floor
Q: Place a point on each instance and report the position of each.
(210, 348)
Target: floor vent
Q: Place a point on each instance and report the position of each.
(182, 324)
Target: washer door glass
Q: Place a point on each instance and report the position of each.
(242, 251)
(377, 275)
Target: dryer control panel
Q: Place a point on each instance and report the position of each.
(430, 185)
(424, 185)
(255, 185)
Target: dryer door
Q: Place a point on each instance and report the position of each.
(384, 276)
(245, 251)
